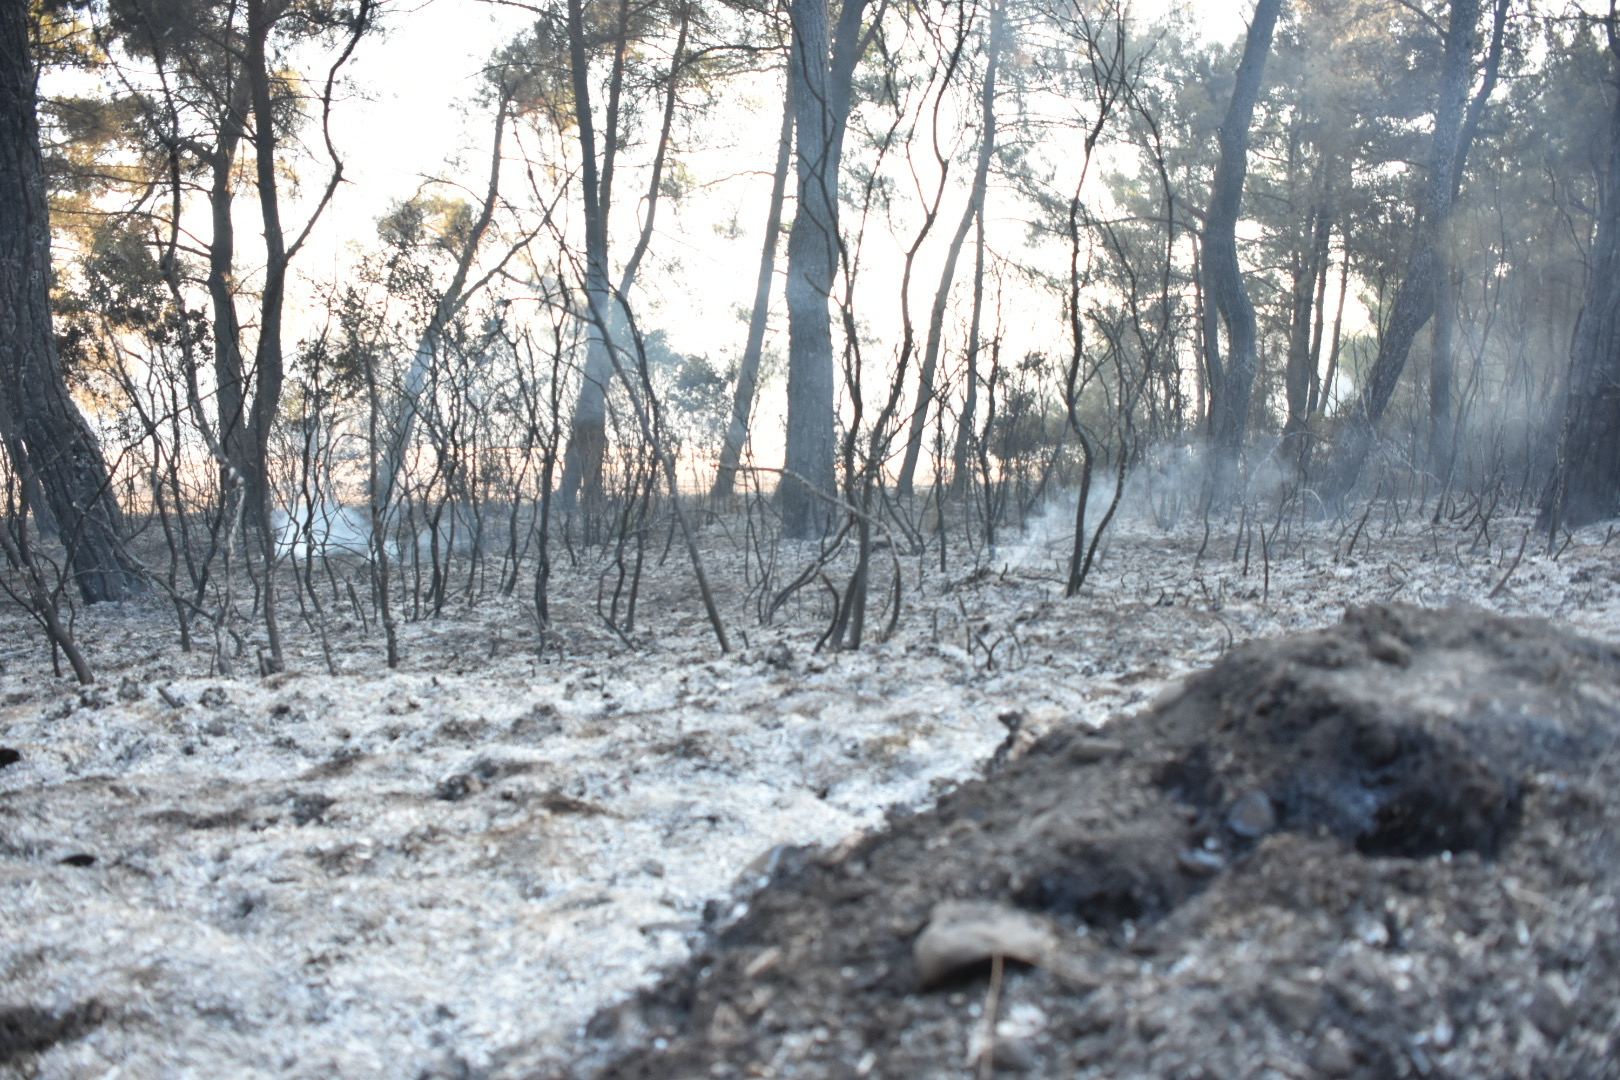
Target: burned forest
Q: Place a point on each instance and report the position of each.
(811, 538)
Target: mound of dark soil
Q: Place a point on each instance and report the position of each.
(1387, 849)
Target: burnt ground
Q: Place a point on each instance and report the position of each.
(1384, 849)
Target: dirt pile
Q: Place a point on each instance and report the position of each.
(1385, 849)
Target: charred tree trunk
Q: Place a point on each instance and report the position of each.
(1442, 370)
(1426, 266)
(229, 380)
(269, 369)
(1586, 486)
(1304, 337)
(966, 434)
(51, 444)
(748, 374)
(1442, 376)
(584, 459)
(608, 321)
(823, 68)
(975, 207)
(450, 303)
(1232, 380)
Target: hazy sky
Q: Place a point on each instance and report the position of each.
(419, 81)
(421, 76)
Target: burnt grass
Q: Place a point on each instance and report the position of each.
(1385, 849)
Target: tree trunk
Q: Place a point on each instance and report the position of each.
(585, 457)
(1586, 486)
(1441, 374)
(230, 397)
(936, 316)
(269, 370)
(748, 374)
(51, 444)
(1442, 370)
(1415, 298)
(608, 320)
(823, 68)
(1232, 379)
(965, 430)
(1309, 277)
(450, 302)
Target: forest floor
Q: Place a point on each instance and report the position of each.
(448, 869)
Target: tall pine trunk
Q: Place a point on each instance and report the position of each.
(748, 373)
(268, 361)
(1231, 379)
(607, 317)
(966, 433)
(823, 68)
(1418, 293)
(229, 379)
(449, 304)
(1586, 486)
(52, 447)
(585, 456)
(975, 208)
(1304, 336)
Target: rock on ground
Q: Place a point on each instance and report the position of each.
(1385, 849)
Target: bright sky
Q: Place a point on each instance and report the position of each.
(422, 75)
(421, 80)
(415, 115)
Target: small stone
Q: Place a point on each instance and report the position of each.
(1014, 1055)
(457, 787)
(1550, 1011)
(652, 868)
(1295, 1006)
(1389, 649)
(1092, 749)
(1335, 1057)
(1252, 816)
(130, 690)
(1200, 862)
(446, 1065)
(309, 806)
(1150, 1025)
(963, 934)
(726, 1027)
(762, 963)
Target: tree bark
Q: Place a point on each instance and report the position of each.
(742, 405)
(1442, 370)
(1232, 379)
(823, 69)
(1310, 275)
(1586, 485)
(1415, 298)
(975, 207)
(607, 320)
(268, 362)
(966, 433)
(585, 456)
(449, 304)
(50, 442)
(1442, 367)
(230, 397)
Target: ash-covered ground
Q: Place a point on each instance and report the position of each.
(449, 869)
(1386, 849)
